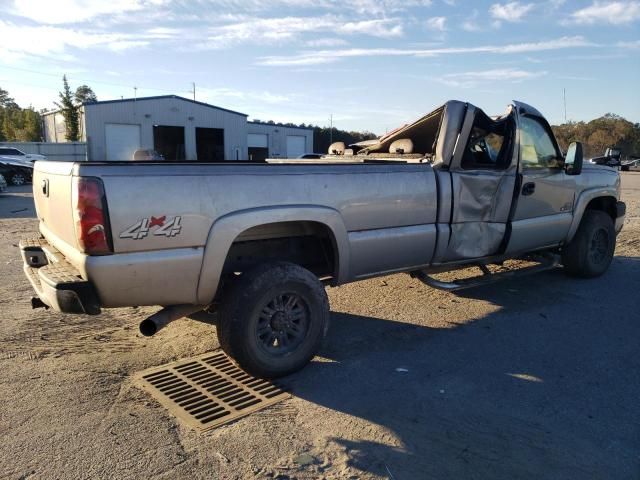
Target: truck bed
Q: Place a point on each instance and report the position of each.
(385, 213)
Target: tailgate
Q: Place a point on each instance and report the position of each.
(52, 192)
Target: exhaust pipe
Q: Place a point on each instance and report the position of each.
(158, 320)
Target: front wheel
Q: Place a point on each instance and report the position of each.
(590, 252)
(273, 319)
(18, 179)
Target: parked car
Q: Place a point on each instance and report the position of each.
(631, 166)
(258, 242)
(19, 155)
(3, 184)
(16, 172)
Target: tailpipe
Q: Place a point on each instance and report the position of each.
(150, 326)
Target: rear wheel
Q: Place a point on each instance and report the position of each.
(18, 179)
(273, 319)
(590, 252)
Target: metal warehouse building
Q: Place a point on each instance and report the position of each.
(276, 141)
(179, 129)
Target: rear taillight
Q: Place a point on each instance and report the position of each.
(91, 216)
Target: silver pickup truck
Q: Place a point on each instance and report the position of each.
(257, 243)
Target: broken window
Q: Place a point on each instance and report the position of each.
(489, 144)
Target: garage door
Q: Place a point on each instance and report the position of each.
(296, 145)
(258, 140)
(121, 140)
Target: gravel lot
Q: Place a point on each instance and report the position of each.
(534, 378)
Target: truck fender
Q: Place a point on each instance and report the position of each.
(226, 229)
(581, 204)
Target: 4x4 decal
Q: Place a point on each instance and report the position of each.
(167, 228)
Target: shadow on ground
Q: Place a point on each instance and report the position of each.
(531, 391)
(17, 202)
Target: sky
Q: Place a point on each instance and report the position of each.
(371, 65)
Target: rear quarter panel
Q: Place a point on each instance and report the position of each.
(366, 196)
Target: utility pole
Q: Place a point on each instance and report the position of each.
(135, 93)
(330, 129)
(564, 96)
(194, 90)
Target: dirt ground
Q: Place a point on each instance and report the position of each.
(534, 378)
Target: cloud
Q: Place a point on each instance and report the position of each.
(438, 24)
(633, 44)
(329, 56)
(555, 4)
(245, 97)
(471, 25)
(45, 41)
(76, 11)
(377, 7)
(71, 11)
(510, 12)
(327, 42)
(278, 30)
(122, 45)
(615, 13)
(383, 28)
(470, 79)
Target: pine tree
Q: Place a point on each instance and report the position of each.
(69, 112)
(84, 94)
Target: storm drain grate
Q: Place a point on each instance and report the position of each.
(208, 391)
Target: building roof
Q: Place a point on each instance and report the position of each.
(162, 97)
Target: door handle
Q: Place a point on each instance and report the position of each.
(528, 188)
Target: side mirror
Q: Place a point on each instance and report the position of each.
(573, 160)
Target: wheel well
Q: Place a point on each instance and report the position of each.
(308, 244)
(605, 204)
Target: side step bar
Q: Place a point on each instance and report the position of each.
(546, 262)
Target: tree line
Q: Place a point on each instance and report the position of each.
(18, 124)
(610, 130)
(25, 124)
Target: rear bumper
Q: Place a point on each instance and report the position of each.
(621, 210)
(56, 282)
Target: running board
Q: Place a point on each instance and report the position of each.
(545, 263)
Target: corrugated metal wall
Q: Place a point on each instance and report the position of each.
(278, 137)
(69, 151)
(165, 111)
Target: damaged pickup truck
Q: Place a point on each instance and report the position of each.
(257, 243)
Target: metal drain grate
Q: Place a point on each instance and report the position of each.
(208, 391)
